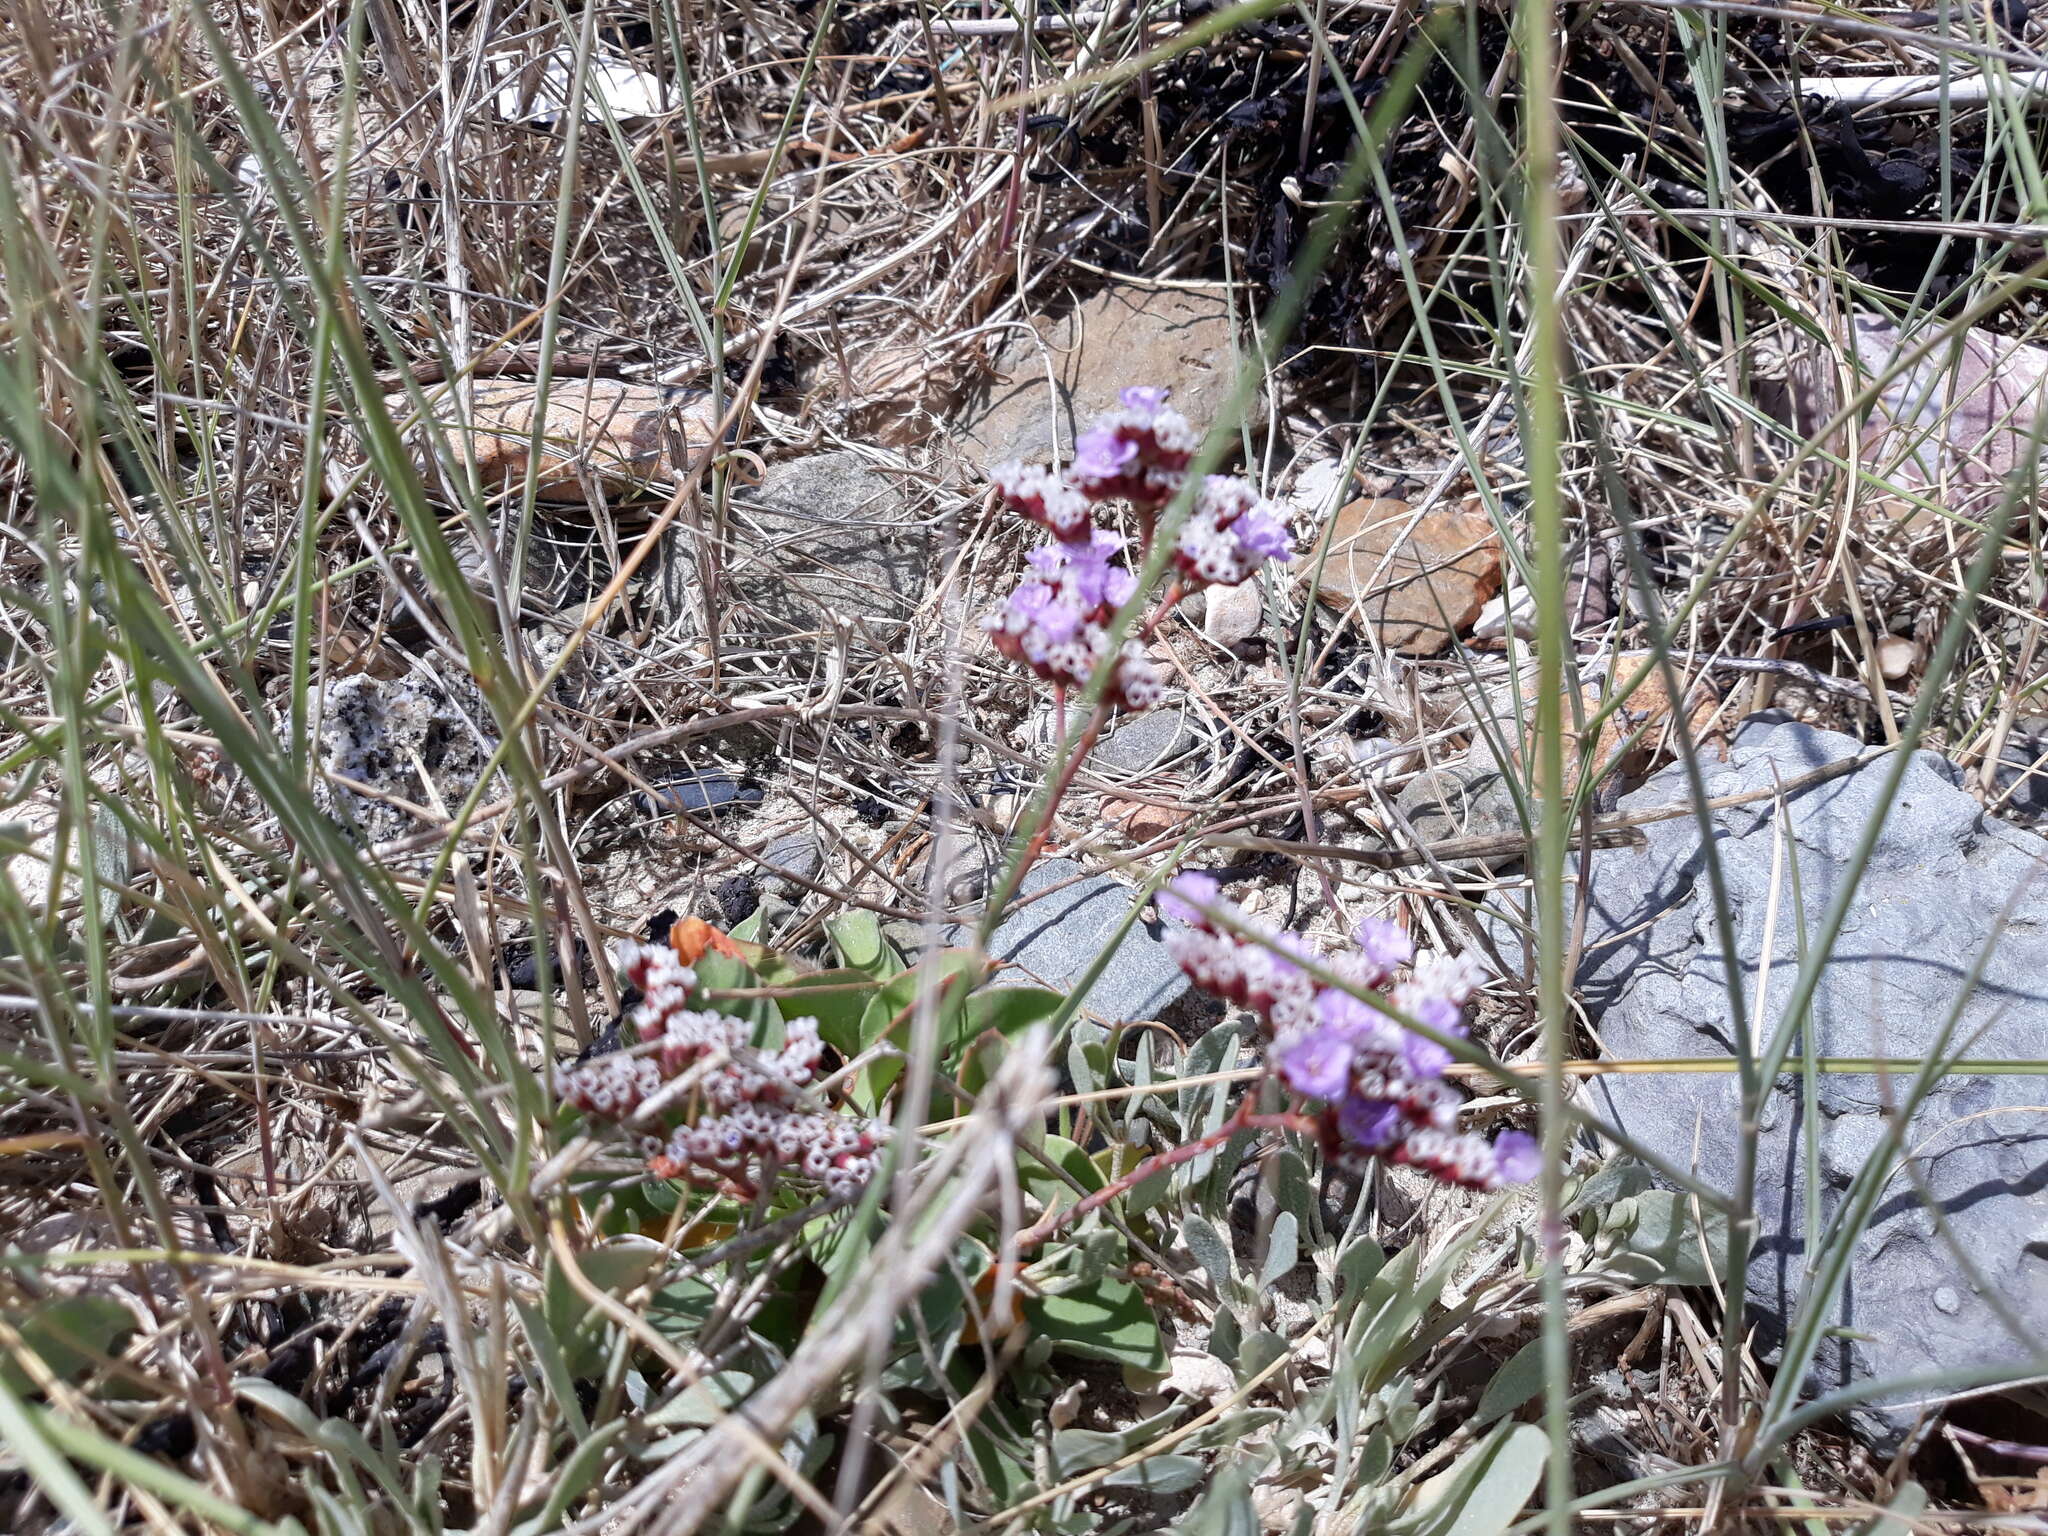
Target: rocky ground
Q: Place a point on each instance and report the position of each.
(339, 761)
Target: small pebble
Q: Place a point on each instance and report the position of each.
(1200, 1376)
(697, 793)
(1235, 613)
(1897, 657)
(795, 855)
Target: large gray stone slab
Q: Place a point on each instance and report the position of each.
(1052, 942)
(1925, 915)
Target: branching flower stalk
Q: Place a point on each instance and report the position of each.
(1057, 620)
(1362, 1084)
(1380, 1086)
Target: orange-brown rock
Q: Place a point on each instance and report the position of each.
(626, 439)
(1142, 821)
(1420, 580)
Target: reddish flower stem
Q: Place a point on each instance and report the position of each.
(1174, 593)
(1065, 782)
(1173, 1157)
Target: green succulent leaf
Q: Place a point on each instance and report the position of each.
(65, 1333)
(1109, 1321)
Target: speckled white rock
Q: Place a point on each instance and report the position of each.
(1199, 1375)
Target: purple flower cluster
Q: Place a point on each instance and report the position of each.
(1383, 1084)
(746, 1107)
(1230, 532)
(1056, 621)
(1137, 453)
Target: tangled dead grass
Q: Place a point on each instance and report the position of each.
(829, 231)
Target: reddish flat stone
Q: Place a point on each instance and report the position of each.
(1419, 581)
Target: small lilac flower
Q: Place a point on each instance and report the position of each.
(1316, 1062)
(1423, 1057)
(1149, 399)
(1344, 1014)
(1048, 617)
(1048, 560)
(1263, 535)
(1438, 1013)
(1384, 944)
(1031, 599)
(1517, 1157)
(1096, 583)
(1369, 1123)
(1100, 454)
(1174, 897)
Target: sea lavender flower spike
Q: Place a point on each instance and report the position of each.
(1056, 621)
(1034, 492)
(746, 1107)
(1381, 1084)
(1138, 452)
(1385, 946)
(1230, 532)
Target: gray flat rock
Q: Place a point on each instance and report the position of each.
(799, 854)
(1927, 912)
(1053, 941)
(1471, 798)
(827, 537)
(1144, 742)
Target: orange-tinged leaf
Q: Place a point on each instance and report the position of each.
(690, 937)
(987, 1322)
